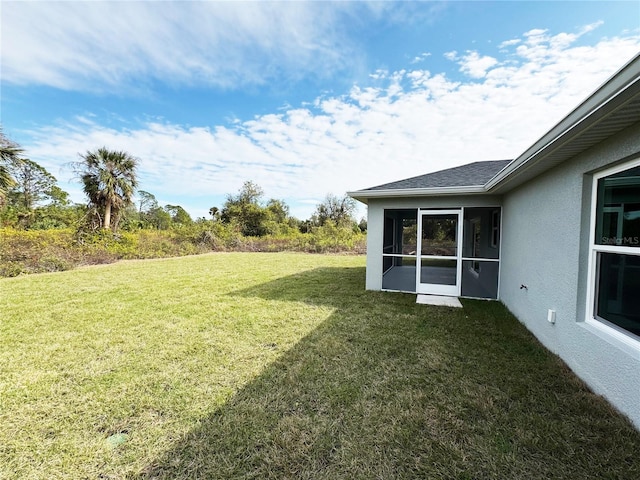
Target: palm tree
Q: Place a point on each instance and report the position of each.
(9, 154)
(109, 180)
(6, 182)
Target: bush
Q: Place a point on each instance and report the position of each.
(331, 238)
(37, 251)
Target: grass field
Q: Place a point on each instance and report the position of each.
(255, 366)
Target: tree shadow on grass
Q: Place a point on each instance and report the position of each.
(385, 388)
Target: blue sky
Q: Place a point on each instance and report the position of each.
(304, 99)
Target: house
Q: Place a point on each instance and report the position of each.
(553, 234)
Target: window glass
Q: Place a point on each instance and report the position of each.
(618, 209)
(618, 295)
(475, 239)
(495, 228)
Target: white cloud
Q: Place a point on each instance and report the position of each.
(420, 58)
(475, 65)
(117, 46)
(105, 45)
(536, 32)
(591, 27)
(509, 43)
(410, 123)
(452, 55)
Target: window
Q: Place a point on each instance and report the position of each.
(475, 250)
(495, 228)
(615, 250)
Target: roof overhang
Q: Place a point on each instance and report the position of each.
(365, 195)
(611, 108)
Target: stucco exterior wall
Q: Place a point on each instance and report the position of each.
(545, 246)
(375, 224)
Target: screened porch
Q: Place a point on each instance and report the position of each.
(442, 251)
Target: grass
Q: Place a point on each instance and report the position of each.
(247, 366)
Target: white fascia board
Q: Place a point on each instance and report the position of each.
(364, 195)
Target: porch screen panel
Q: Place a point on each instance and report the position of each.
(439, 235)
(400, 232)
(401, 276)
(481, 252)
(399, 249)
(480, 279)
(438, 271)
(481, 233)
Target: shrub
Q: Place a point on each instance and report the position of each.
(35, 251)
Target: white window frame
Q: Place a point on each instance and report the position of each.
(618, 335)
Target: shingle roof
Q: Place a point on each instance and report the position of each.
(472, 174)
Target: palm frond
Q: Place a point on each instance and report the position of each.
(109, 178)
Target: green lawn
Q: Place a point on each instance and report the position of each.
(247, 366)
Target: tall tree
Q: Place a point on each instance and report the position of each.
(279, 210)
(59, 198)
(215, 213)
(33, 184)
(9, 155)
(158, 217)
(151, 214)
(250, 215)
(109, 180)
(179, 215)
(339, 210)
(244, 210)
(147, 201)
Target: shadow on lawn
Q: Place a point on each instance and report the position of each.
(385, 388)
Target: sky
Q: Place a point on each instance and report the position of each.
(303, 98)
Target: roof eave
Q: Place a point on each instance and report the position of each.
(365, 195)
(603, 102)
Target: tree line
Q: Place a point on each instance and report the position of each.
(30, 199)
